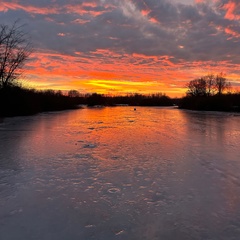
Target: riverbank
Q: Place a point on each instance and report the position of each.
(224, 103)
(16, 101)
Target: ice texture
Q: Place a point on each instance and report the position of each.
(116, 173)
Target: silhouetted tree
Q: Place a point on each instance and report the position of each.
(197, 87)
(210, 84)
(221, 83)
(95, 99)
(206, 93)
(59, 93)
(14, 50)
(73, 93)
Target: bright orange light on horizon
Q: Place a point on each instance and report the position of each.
(121, 76)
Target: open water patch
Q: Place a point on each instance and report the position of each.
(90, 145)
(114, 190)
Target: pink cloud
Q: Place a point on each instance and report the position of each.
(232, 32)
(199, 1)
(145, 12)
(31, 9)
(80, 21)
(80, 9)
(231, 8)
(153, 20)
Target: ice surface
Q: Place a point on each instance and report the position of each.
(116, 173)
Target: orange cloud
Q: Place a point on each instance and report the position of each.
(199, 1)
(231, 8)
(108, 71)
(232, 33)
(145, 12)
(153, 20)
(31, 9)
(80, 9)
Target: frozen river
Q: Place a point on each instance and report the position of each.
(116, 173)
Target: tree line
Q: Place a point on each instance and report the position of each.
(208, 85)
(135, 99)
(210, 93)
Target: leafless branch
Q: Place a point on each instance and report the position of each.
(15, 48)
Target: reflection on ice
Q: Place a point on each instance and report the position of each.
(115, 173)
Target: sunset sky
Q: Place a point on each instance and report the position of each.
(126, 46)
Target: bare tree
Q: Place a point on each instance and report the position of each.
(73, 93)
(197, 87)
(15, 48)
(210, 84)
(221, 83)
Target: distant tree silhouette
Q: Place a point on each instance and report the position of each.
(221, 83)
(73, 93)
(197, 87)
(208, 85)
(209, 93)
(95, 99)
(59, 93)
(15, 48)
